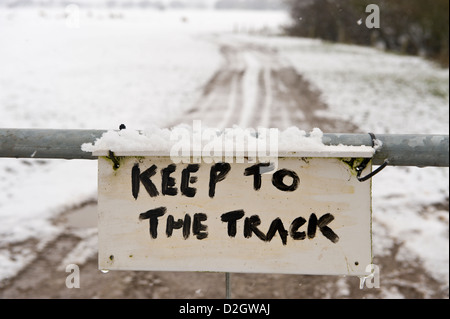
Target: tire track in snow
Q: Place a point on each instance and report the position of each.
(256, 87)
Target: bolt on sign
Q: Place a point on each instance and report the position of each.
(302, 215)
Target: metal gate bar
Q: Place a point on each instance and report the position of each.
(401, 149)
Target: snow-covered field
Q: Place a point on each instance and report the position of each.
(94, 70)
(146, 68)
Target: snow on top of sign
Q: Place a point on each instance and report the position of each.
(208, 141)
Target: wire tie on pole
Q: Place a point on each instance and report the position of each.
(114, 159)
(364, 163)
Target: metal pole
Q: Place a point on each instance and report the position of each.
(227, 285)
(46, 143)
(401, 149)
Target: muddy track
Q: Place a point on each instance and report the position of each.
(254, 87)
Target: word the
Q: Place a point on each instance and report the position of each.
(199, 229)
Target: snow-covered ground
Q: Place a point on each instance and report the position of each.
(94, 69)
(142, 68)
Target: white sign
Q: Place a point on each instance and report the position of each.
(305, 216)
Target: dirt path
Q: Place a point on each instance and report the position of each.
(254, 87)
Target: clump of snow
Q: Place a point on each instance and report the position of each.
(163, 141)
(294, 139)
(131, 140)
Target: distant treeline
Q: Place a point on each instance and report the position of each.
(408, 26)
